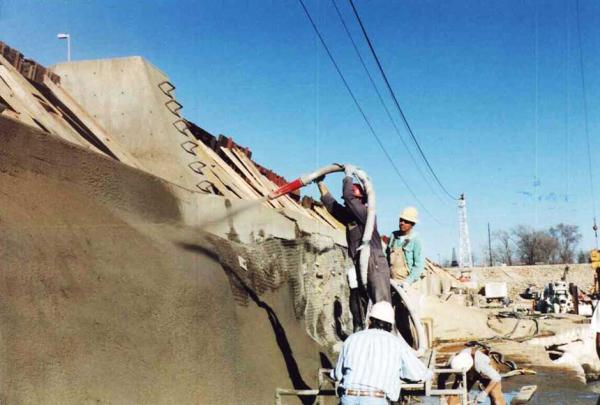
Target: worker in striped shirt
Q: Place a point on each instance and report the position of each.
(373, 361)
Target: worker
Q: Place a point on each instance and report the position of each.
(404, 251)
(353, 215)
(372, 362)
(478, 366)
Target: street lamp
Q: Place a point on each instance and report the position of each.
(68, 38)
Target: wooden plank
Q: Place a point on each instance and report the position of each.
(285, 201)
(251, 168)
(327, 217)
(22, 114)
(100, 133)
(210, 173)
(225, 173)
(232, 179)
(24, 91)
(257, 185)
(269, 185)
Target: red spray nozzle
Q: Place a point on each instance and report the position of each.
(286, 188)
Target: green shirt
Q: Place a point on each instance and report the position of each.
(413, 253)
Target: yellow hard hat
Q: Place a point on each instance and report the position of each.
(410, 214)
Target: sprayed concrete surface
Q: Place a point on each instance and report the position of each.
(106, 296)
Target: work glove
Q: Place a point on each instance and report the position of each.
(319, 179)
(481, 397)
(349, 170)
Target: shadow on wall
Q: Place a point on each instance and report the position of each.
(280, 335)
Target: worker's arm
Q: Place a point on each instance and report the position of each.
(333, 207)
(354, 204)
(388, 248)
(322, 188)
(337, 372)
(418, 264)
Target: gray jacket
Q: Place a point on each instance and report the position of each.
(353, 215)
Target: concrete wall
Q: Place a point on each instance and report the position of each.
(107, 295)
(123, 94)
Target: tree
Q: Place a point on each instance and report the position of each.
(568, 238)
(535, 246)
(503, 248)
(582, 257)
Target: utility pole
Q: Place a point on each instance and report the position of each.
(490, 245)
(465, 259)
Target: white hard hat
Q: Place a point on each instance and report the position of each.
(462, 361)
(383, 311)
(410, 214)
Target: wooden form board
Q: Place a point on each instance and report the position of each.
(15, 103)
(285, 200)
(269, 186)
(228, 181)
(31, 100)
(258, 186)
(322, 211)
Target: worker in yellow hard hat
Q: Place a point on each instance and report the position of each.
(404, 250)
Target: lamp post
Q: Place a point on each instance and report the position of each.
(68, 38)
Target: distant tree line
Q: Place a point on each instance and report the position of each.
(526, 245)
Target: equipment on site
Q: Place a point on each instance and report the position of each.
(496, 291)
(531, 293)
(556, 298)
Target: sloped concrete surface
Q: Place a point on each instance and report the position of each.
(108, 297)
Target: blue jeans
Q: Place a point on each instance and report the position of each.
(350, 400)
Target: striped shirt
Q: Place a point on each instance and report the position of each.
(375, 360)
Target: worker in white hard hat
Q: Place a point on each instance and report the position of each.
(404, 250)
(373, 361)
(478, 366)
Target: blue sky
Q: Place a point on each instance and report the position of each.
(492, 111)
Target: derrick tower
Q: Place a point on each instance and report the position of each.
(464, 244)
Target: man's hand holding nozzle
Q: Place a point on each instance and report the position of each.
(349, 170)
(319, 179)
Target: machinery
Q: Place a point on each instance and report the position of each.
(556, 298)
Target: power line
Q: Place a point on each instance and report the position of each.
(389, 115)
(357, 104)
(406, 124)
(585, 115)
